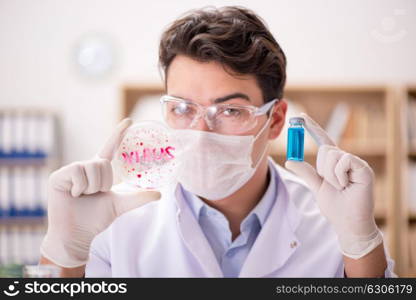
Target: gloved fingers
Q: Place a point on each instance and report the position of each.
(99, 176)
(93, 173)
(322, 158)
(106, 172)
(107, 151)
(124, 202)
(343, 169)
(316, 131)
(78, 178)
(306, 172)
(332, 158)
(360, 172)
(61, 179)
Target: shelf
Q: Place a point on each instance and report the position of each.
(374, 134)
(23, 162)
(22, 221)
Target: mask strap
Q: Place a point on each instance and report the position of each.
(267, 144)
(263, 128)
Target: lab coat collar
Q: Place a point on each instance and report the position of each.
(275, 244)
(194, 238)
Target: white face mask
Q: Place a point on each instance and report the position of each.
(214, 165)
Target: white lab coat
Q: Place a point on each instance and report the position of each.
(164, 239)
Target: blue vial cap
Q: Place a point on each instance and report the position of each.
(296, 120)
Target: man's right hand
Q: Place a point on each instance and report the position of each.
(81, 204)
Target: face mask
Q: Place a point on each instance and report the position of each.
(214, 165)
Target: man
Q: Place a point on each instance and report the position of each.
(234, 212)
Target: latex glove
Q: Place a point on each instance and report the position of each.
(343, 186)
(81, 205)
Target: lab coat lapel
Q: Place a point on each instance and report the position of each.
(277, 240)
(194, 238)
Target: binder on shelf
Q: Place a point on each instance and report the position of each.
(20, 245)
(25, 135)
(22, 191)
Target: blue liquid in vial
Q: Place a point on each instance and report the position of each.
(295, 136)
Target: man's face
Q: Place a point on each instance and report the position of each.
(204, 82)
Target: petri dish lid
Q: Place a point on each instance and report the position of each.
(147, 156)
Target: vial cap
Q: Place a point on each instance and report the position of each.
(296, 120)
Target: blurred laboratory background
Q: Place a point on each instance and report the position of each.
(70, 70)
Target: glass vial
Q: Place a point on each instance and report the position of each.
(295, 139)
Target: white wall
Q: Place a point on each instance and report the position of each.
(325, 41)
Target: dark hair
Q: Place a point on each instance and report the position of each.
(233, 36)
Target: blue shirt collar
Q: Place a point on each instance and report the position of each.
(261, 210)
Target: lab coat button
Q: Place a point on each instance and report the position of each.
(293, 244)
